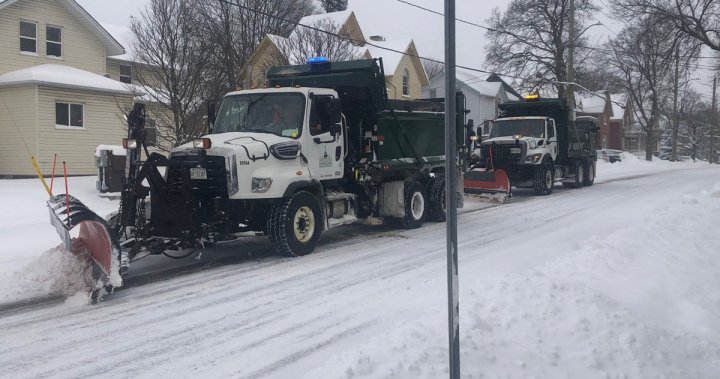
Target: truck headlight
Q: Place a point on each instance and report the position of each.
(534, 158)
(261, 185)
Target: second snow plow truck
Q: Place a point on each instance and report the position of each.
(533, 144)
(321, 147)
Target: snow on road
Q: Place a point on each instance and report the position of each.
(621, 279)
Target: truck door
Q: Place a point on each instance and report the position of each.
(325, 145)
(552, 137)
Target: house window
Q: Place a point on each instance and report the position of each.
(54, 41)
(28, 37)
(69, 115)
(406, 83)
(126, 74)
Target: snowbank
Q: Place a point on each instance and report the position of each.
(631, 165)
(636, 303)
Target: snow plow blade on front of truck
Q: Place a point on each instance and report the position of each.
(87, 236)
(493, 184)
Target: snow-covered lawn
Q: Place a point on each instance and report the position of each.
(621, 279)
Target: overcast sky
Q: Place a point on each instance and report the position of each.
(393, 19)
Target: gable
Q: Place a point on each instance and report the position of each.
(112, 46)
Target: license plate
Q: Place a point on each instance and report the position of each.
(515, 150)
(198, 173)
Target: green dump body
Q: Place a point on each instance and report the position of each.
(390, 132)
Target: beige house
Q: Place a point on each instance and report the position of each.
(404, 74)
(269, 52)
(55, 97)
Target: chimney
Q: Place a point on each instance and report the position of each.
(377, 38)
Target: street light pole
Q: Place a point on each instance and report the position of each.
(451, 185)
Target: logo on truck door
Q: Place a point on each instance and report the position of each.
(326, 160)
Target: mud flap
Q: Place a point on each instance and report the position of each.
(482, 181)
(87, 236)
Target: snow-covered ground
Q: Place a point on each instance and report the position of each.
(621, 279)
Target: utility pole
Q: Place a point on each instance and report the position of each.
(451, 185)
(571, 63)
(713, 128)
(676, 88)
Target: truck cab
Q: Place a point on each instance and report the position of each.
(530, 139)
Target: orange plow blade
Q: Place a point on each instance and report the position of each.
(86, 235)
(482, 181)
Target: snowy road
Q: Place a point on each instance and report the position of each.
(583, 283)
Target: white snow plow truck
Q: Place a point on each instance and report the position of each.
(322, 146)
(534, 145)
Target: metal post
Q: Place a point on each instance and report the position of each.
(571, 63)
(451, 184)
(713, 154)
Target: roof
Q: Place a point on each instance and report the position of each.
(125, 37)
(112, 47)
(590, 102)
(618, 101)
(337, 18)
(391, 59)
(56, 75)
(478, 83)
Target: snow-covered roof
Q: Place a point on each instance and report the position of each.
(56, 75)
(125, 37)
(478, 83)
(391, 59)
(276, 39)
(590, 102)
(337, 18)
(618, 100)
(112, 47)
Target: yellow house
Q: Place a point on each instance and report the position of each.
(269, 52)
(55, 97)
(405, 75)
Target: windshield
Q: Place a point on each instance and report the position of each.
(525, 128)
(277, 113)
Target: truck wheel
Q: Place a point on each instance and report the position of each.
(544, 179)
(295, 224)
(415, 207)
(589, 171)
(438, 202)
(579, 176)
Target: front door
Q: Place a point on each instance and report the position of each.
(324, 145)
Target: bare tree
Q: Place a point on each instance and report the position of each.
(432, 67)
(695, 118)
(334, 5)
(318, 41)
(643, 55)
(531, 40)
(169, 43)
(699, 19)
(235, 28)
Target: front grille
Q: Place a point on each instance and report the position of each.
(214, 186)
(503, 153)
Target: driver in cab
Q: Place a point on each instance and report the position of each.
(285, 119)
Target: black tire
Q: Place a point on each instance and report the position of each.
(295, 224)
(438, 203)
(579, 176)
(589, 170)
(544, 179)
(415, 199)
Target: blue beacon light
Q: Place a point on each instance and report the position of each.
(316, 60)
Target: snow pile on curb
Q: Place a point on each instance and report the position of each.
(638, 302)
(634, 165)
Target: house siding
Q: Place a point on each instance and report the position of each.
(80, 47)
(18, 128)
(103, 124)
(415, 89)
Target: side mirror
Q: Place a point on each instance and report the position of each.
(335, 129)
(150, 137)
(211, 113)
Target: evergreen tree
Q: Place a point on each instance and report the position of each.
(334, 5)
